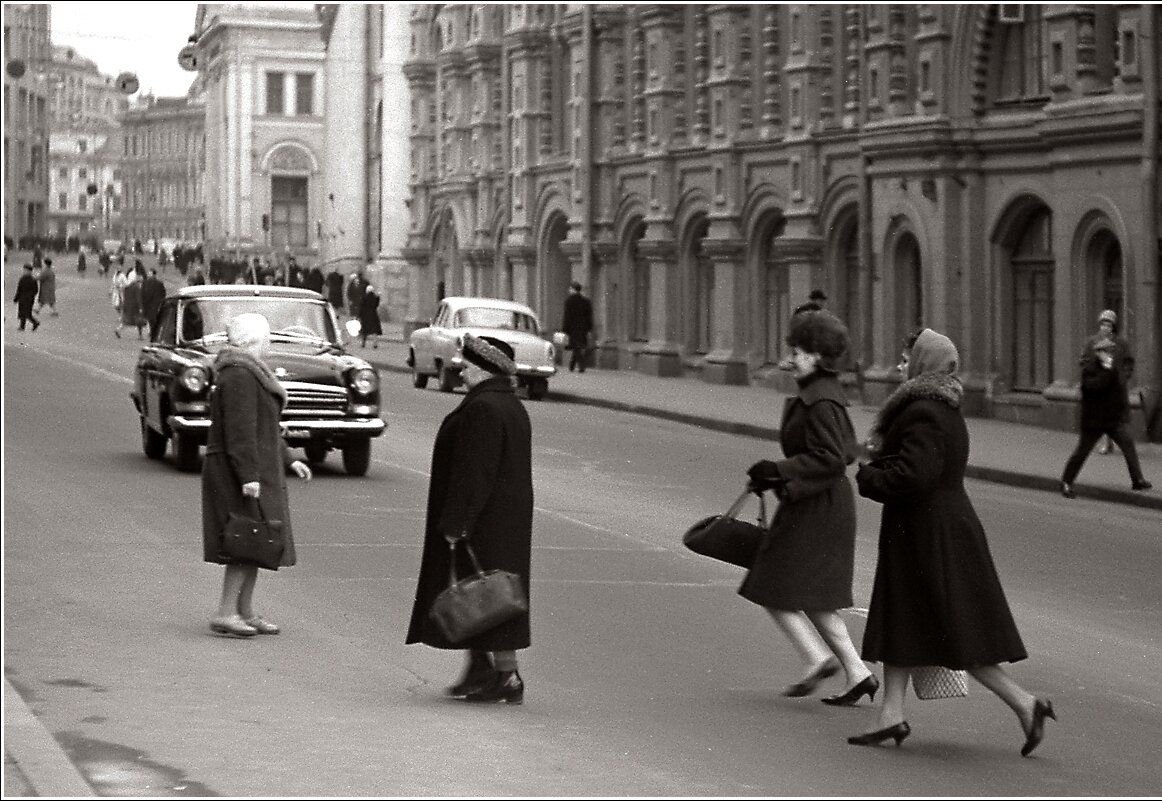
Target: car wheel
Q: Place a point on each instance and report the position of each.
(538, 388)
(152, 442)
(419, 380)
(316, 453)
(185, 450)
(357, 457)
(448, 379)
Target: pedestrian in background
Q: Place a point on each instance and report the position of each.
(369, 323)
(47, 281)
(803, 573)
(355, 290)
(936, 597)
(577, 323)
(482, 491)
(314, 280)
(26, 289)
(132, 310)
(152, 296)
(82, 264)
(246, 458)
(1107, 365)
(335, 289)
(37, 257)
(117, 291)
(816, 301)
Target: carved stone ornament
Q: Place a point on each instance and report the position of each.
(290, 158)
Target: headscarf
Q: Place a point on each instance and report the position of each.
(933, 353)
(932, 366)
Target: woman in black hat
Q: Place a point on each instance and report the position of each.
(482, 490)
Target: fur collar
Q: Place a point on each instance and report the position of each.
(231, 356)
(943, 387)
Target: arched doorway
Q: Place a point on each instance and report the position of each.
(699, 272)
(1031, 265)
(637, 271)
(773, 286)
(1103, 265)
(556, 272)
(445, 259)
(847, 278)
(909, 291)
(502, 266)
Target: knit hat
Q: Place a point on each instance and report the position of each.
(933, 353)
(817, 331)
(1108, 316)
(491, 354)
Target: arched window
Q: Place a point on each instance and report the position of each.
(1103, 259)
(909, 286)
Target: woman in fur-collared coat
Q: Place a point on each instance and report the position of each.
(245, 464)
(936, 598)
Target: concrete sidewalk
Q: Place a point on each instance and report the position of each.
(1002, 452)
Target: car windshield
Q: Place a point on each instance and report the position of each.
(289, 318)
(485, 317)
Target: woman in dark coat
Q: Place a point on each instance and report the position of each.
(803, 571)
(369, 324)
(936, 599)
(246, 459)
(481, 491)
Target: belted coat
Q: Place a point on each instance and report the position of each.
(481, 488)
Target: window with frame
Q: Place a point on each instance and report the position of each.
(288, 211)
(304, 94)
(1024, 58)
(83, 202)
(63, 201)
(275, 92)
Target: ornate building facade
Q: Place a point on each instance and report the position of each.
(84, 149)
(987, 170)
(27, 54)
(162, 147)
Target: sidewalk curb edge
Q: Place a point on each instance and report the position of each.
(37, 753)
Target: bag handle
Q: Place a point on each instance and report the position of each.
(452, 559)
(736, 507)
(257, 508)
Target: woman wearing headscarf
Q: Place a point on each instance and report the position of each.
(482, 492)
(369, 324)
(936, 599)
(245, 465)
(803, 573)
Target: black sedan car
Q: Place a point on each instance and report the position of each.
(333, 397)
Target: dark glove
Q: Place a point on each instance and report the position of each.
(764, 475)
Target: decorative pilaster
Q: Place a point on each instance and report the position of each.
(851, 99)
(702, 67)
(772, 114)
(661, 355)
(898, 64)
(639, 88)
(826, 65)
(727, 361)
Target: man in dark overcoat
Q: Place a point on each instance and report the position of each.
(152, 296)
(577, 324)
(334, 282)
(481, 492)
(26, 290)
(355, 291)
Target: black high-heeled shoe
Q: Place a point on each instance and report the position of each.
(869, 687)
(897, 733)
(506, 687)
(1042, 708)
(478, 672)
(808, 685)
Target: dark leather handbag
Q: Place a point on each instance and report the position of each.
(727, 539)
(256, 539)
(480, 602)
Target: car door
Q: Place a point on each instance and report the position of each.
(426, 339)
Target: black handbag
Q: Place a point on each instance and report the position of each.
(254, 539)
(727, 539)
(475, 604)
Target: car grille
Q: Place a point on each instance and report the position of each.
(314, 400)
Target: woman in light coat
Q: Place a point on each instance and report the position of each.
(245, 466)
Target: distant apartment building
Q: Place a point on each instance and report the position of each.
(163, 162)
(84, 170)
(27, 52)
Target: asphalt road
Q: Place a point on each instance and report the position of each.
(648, 674)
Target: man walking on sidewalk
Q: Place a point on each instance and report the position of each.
(577, 324)
(1106, 368)
(26, 289)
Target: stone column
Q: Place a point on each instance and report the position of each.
(803, 257)
(727, 361)
(524, 266)
(607, 307)
(420, 292)
(662, 354)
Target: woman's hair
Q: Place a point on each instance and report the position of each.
(247, 330)
(820, 332)
(910, 339)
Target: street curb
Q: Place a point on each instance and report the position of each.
(37, 754)
(994, 475)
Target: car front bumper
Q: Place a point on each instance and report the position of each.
(522, 370)
(294, 429)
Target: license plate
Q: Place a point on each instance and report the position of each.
(298, 433)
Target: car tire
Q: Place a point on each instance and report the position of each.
(153, 443)
(186, 452)
(448, 379)
(419, 380)
(357, 457)
(316, 454)
(538, 388)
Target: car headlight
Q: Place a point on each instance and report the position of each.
(194, 379)
(364, 381)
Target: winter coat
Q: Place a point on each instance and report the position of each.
(314, 280)
(1105, 393)
(132, 310)
(152, 296)
(482, 488)
(26, 289)
(936, 597)
(369, 322)
(807, 559)
(244, 444)
(355, 292)
(335, 289)
(578, 319)
(47, 287)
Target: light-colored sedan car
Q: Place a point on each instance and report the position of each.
(436, 350)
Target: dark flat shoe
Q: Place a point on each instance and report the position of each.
(897, 733)
(506, 687)
(478, 673)
(808, 685)
(1042, 708)
(869, 687)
